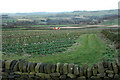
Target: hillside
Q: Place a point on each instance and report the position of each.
(81, 13)
(74, 18)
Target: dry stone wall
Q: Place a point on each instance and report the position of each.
(23, 70)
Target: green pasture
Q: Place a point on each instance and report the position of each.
(111, 22)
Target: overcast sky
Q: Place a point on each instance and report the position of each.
(13, 6)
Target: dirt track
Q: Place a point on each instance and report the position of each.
(93, 26)
(90, 26)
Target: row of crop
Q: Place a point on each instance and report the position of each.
(33, 37)
(38, 48)
(42, 42)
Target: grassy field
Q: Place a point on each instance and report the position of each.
(72, 46)
(111, 22)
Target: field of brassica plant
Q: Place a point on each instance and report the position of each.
(38, 42)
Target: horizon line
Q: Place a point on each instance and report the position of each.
(52, 12)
